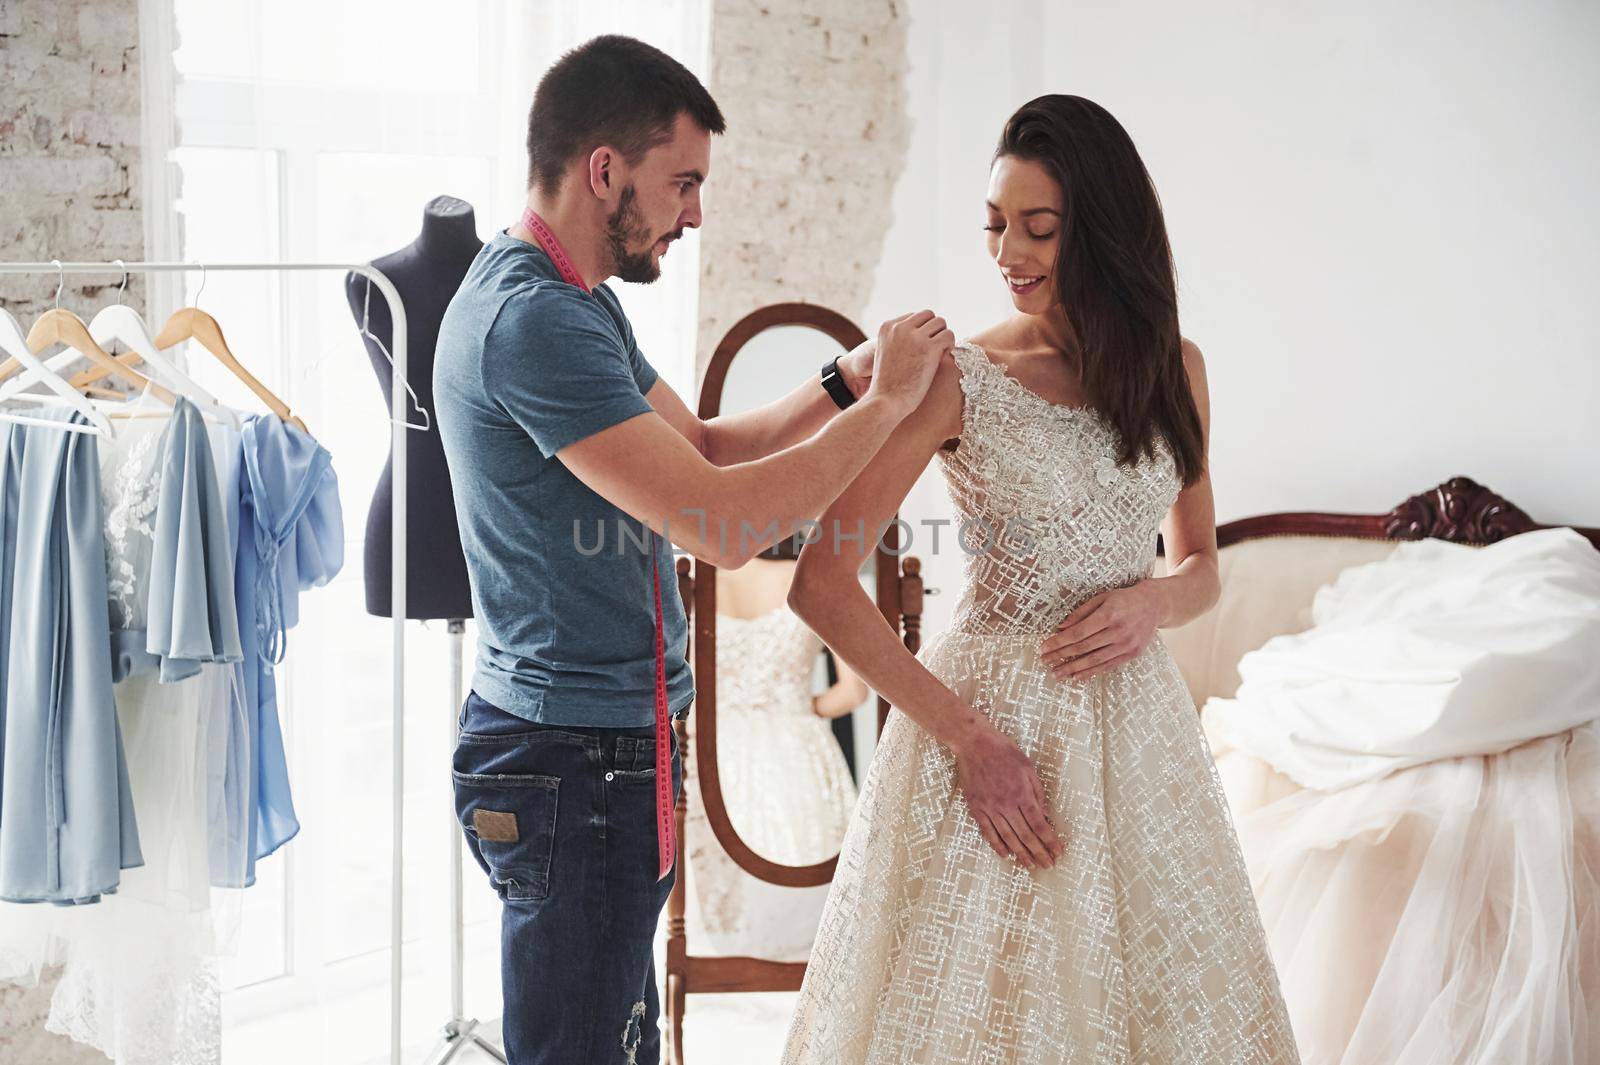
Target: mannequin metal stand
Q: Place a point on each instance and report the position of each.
(426, 273)
(459, 1031)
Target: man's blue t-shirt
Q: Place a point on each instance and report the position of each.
(526, 364)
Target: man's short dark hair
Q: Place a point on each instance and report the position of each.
(611, 90)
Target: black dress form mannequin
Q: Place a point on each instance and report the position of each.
(427, 274)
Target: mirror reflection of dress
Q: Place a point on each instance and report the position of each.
(787, 788)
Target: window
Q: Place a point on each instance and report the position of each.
(317, 131)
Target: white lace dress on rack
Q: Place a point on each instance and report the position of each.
(140, 976)
(785, 783)
(1143, 943)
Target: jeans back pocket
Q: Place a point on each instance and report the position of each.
(510, 821)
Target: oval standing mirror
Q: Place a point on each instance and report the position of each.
(782, 730)
(770, 777)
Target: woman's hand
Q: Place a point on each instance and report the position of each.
(1005, 797)
(828, 706)
(1105, 631)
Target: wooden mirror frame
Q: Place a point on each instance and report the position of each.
(886, 569)
(899, 593)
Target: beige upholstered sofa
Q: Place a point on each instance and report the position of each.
(1267, 588)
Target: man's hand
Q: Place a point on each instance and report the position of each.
(1006, 799)
(856, 367)
(909, 349)
(1104, 631)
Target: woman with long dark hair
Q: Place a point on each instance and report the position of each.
(1099, 911)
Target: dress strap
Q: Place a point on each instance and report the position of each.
(972, 360)
(980, 375)
(981, 381)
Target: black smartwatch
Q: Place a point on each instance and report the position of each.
(833, 381)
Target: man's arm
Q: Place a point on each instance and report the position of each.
(726, 515)
(729, 439)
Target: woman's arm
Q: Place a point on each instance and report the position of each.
(1000, 783)
(1189, 533)
(843, 695)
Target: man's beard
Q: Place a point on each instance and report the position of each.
(624, 229)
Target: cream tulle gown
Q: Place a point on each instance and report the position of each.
(1446, 914)
(1143, 943)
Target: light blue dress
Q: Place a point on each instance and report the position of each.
(192, 617)
(67, 825)
(170, 557)
(290, 537)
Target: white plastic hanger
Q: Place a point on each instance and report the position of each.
(120, 322)
(416, 404)
(15, 344)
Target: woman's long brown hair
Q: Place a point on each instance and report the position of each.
(1114, 275)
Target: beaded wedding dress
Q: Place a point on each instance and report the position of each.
(1143, 943)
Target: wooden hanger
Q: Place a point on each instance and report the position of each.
(191, 323)
(13, 342)
(60, 326)
(120, 323)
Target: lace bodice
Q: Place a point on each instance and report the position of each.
(1046, 518)
(129, 483)
(764, 663)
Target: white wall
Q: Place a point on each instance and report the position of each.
(1383, 216)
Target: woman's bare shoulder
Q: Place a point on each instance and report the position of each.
(1191, 354)
(999, 339)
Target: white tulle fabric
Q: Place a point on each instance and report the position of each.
(1437, 651)
(785, 783)
(1143, 943)
(1428, 861)
(140, 977)
(1446, 914)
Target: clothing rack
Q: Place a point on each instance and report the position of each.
(398, 416)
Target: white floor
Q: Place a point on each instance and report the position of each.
(351, 1027)
(717, 1030)
(730, 1029)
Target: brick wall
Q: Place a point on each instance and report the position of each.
(69, 147)
(69, 189)
(798, 202)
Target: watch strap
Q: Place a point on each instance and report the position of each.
(833, 382)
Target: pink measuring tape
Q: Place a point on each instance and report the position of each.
(666, 850)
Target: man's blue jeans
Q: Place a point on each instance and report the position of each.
(562, 818)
